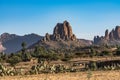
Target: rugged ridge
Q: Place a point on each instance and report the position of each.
(12, 42)
(6, 36)
(112, 37)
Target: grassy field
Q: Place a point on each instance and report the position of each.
(94, 75)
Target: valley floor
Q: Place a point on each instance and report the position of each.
(94, 75)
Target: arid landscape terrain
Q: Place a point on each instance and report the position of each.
(59, 39)
(61, 56)
(94, 75)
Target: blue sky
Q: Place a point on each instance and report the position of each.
(87, 17)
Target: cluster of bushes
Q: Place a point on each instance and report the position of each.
(45, 68)
(43, 54)
(102, 66)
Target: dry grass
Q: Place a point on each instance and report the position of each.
(96, 75)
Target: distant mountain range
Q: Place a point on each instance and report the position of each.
(12, 42)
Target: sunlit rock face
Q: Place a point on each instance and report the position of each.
(112, 37)
(1, 47)
(61, 31)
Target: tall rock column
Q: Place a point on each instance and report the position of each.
(64, 30)
(107, 34)
(117, 33)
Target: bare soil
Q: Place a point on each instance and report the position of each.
(95, 75)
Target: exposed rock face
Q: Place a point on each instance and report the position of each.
(61, 31)
(1, 47)
(112, 36)
(117, 33)
(107, 34)
(6, 36)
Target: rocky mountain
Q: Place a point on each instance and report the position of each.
(62, 31)
(6, 36)
(62, 37)
(12, 42)
(110, 38)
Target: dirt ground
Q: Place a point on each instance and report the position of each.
(94, 75)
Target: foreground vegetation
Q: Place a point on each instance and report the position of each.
(42, 60)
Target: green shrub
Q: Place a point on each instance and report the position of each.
(106, 53)
(14, 60)
(92, 52)
(93, 65)
(65, 59)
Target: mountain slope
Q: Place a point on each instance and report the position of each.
(12, 42)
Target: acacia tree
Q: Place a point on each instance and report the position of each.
(92, 52)
(23, 47)
(14, 60)
(25, 55)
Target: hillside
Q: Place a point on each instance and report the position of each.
(12, 42)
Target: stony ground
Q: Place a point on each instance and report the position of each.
(94, 75)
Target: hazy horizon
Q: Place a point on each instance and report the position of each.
(87, 17)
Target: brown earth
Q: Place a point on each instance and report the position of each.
(95, 75)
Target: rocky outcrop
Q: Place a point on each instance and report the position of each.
(1, 47)
(107, 34)
(62, 37)
(62, 31)
(112, 36)
(117, 33)
(6, 36)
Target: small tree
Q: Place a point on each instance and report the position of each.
(36, 51)
(14, 60)
(23, 47)
(26, 56)
(93, 65)
(118, 51)
(92, 52)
